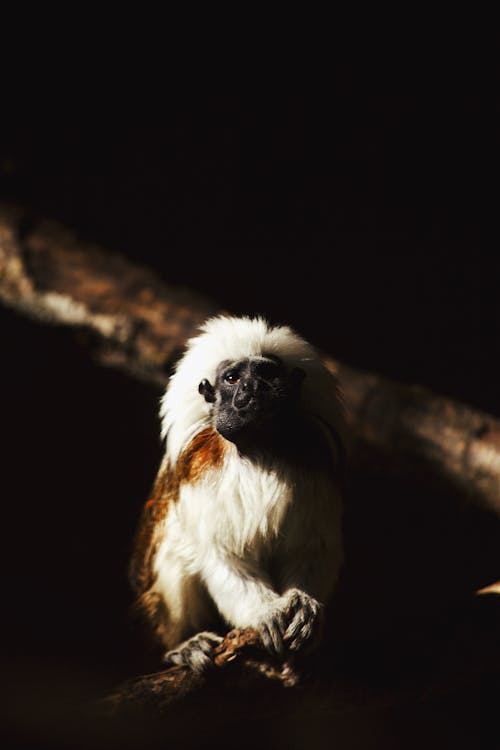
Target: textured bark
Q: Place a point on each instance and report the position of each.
(239, 661)
(410, 431)
(136, 322)
(139, 323)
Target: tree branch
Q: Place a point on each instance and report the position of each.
(138, 323)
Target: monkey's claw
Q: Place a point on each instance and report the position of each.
(294, 623)
(271, 631)
(305, 616)
(197, 653)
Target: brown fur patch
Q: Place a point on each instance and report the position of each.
(205, 451)
(149, 533)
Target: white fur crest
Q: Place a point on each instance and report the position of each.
(184, 411)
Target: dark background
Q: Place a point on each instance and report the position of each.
(360, 218)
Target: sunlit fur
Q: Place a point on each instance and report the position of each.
(245, 532)
(184, 413)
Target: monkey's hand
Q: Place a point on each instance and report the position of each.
(197, 652)
(294, 623)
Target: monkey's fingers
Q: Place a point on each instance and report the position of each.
(197, 653)
(305, 624)
(271, 633)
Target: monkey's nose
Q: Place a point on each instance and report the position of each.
(245, 393)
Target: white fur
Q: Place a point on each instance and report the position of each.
(184, 412)
(226, 529)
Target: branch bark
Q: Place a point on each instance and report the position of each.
(139, 323)
(240, 663)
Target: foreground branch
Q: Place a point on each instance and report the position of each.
(240, 661)
(138, 323)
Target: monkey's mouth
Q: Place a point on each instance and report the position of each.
(255, 424)
(238, 428)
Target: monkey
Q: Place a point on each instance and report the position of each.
(243, 526)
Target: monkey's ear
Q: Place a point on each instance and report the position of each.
(207, 391)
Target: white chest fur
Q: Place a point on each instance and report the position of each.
(249, 512)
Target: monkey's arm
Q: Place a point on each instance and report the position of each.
(245, 596)
(309, 579)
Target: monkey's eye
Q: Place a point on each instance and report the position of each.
(231, 377)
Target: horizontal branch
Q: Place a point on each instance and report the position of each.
(139, 323)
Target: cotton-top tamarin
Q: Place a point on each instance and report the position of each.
(244, 523)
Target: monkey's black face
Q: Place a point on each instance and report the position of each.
(252, 397)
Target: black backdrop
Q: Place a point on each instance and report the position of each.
(361, 221)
